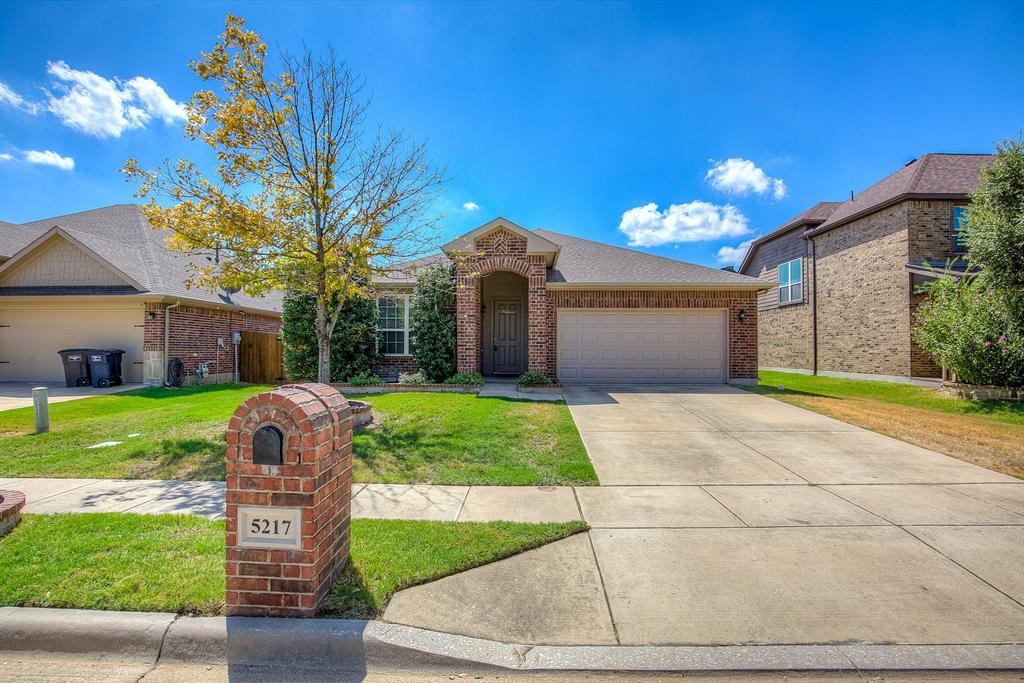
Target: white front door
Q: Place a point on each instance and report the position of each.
(642, 346)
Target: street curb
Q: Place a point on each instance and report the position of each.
(356, 645)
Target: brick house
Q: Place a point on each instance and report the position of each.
(582, 311)
(102, 278)
(844, 276)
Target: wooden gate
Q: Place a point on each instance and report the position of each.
(261, 358)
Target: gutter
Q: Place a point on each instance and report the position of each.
(167, 337)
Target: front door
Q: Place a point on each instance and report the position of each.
(508, 343)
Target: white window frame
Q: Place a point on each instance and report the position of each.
(405, 328)
(788, 286)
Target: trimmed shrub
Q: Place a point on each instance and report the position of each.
(412, 378)
(968, 327)
(533, 378)
(353, 343)
(465, 378)
(432, 322)
(366, 378)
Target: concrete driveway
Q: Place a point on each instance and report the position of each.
(19, 394)
(728, 518)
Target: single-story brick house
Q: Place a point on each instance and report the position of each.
(103, 278)
(845, 277)
(582, 311)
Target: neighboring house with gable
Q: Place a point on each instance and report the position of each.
(104, 279)
(844, 276)
(583, 311)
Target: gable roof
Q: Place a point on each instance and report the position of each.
(535, 242)
(933, 176)
(584, 262)
(814, 216)
(122, 237)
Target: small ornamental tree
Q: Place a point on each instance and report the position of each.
(432, 322)
(353, 342)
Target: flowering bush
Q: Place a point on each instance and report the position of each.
(969, 328)
(412, 378)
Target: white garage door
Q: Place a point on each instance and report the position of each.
(642, 346)
(31, 338)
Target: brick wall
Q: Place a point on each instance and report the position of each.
(864, 295)
(194, 331)
(742, 335)
(389, 367)
(931, 229)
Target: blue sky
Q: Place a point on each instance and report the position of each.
(572, 117)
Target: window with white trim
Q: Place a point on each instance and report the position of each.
(393, 326)
(791, 281)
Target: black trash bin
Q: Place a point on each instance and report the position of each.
(76, 367)
(105, 367)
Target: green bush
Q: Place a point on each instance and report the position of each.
(465, 378)
(995, 219)
(968, 327)
(365, 378)
(533, 378)
(432, 322)
(353, 343)
(412, 378)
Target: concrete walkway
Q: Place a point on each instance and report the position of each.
(19, 394)
(727, 518)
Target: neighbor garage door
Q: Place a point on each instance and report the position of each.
(641, 346)
(30, 339)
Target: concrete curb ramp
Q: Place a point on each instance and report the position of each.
(353, 645)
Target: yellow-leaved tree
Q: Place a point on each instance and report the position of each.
(304, 195)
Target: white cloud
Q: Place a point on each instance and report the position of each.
(48, 158)
(470, 206)
(695, 221)
(6, 157)
(105, 107)
(733, 256)
(13, 99)
(742, 176)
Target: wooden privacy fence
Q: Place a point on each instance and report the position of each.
(261, 358)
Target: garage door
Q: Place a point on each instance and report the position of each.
(641, 346)
(30, 339)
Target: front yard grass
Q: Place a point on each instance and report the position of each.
(459, 439)
(418, 438)
(986, 433)
(169, 563)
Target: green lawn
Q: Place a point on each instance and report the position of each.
(987, 433)
(181, 435)
(461, 439)
(167, 563)
(419, 438)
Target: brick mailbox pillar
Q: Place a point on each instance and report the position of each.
(289, 494)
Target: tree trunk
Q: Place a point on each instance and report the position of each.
(323, 341)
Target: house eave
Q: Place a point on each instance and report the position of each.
(907, 196)
(665, 286)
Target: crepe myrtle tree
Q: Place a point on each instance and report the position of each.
(305, 196)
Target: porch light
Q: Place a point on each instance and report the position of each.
(741, 316)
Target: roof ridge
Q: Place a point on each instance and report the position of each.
(915, 177)
(78, 213)
(632, 251)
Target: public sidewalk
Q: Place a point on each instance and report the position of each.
(383, 501)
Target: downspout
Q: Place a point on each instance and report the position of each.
(167, 337)
(814, 308)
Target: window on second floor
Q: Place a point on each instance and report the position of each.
(393, 326)
(791, 281)
(959, 229)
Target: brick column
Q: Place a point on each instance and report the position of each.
(467, 319)
(288, 500)
(538, 329)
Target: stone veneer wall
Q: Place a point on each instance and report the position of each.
(864, 295)
(742, 335)
(501, 251)
(194, 331)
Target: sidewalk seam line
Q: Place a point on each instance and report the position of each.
(604, 589)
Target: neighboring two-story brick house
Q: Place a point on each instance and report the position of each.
(845, 275)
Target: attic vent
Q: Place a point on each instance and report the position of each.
(910, 162)
(232, 290)
(729, 269)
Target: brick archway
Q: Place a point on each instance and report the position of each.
(501, 251)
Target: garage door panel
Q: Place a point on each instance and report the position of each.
(31, 338)
(650, 347)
